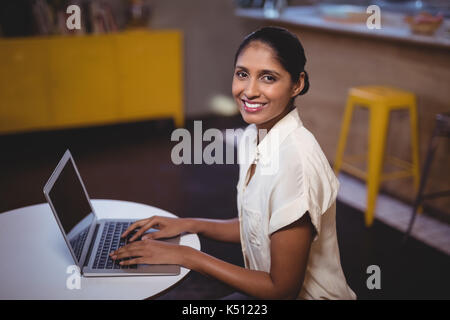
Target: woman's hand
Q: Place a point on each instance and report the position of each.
(167, 227)
(149, 252)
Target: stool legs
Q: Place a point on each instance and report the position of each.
(415, 144)
(343, 136)
(378, 126)
(429, 158)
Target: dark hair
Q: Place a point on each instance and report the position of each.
(289, 51)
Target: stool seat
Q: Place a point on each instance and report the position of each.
(386, 97)
(380, 101)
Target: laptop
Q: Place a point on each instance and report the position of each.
(90, 239)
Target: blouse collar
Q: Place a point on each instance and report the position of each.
(266, 152)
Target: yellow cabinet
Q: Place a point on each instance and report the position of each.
(58, 82)
(24, 93)
(83, 81)
(144, 70)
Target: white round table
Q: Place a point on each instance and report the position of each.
(34, 257)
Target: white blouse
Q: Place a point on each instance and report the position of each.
(292, 176)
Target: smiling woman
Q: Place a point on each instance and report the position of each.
(277, 83)
(286, 220)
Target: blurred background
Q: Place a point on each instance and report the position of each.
(114, 90)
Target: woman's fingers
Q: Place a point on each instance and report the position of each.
(138, 251)
(151, 222)
(151, 251)
(135, 225)
(129, 250)
(154, 235)
(127, 254)
(132, 261)
(129, 246)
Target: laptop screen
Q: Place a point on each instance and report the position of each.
(70, 202)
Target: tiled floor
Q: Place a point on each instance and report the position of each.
(396, 214)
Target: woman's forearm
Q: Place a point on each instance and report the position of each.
(257, 284)
(222, 230)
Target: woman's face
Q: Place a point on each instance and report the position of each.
(261, 86)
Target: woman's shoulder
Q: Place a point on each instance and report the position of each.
(302, 144)
(301, 150)
(304, 161)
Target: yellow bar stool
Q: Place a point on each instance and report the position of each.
(380, 101)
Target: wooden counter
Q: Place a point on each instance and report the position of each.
(393, 26)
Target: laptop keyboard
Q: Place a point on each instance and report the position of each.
(78, 242)
(110, 241)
